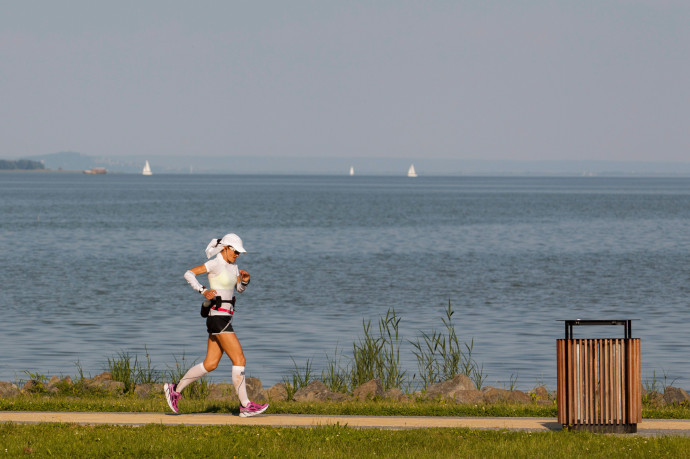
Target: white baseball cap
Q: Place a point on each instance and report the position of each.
(234, 241)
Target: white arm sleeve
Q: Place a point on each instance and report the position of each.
(190, 277)
(239, 286)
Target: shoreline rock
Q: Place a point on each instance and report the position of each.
(459, 390)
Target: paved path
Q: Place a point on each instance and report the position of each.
(646, 427)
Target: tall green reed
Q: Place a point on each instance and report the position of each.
(127, 369)
(365, 358)
(378, 357)
(334, 376)
(298, 378)
(440, 355)
(123, 370)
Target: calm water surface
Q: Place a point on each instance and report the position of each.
(93, 265)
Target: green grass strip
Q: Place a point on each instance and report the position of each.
(66, 440)
(371, 408)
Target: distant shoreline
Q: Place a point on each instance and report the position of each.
(327, 174)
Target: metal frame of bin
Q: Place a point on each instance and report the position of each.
(599, 380)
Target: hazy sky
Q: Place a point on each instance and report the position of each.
(509, 79)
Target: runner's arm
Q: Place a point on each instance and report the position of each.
(190, 277)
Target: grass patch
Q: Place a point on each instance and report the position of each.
(65, 440)
(157, 404)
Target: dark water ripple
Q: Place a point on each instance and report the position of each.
(93, 267)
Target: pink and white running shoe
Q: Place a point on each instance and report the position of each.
(171, 396)
(252, 409)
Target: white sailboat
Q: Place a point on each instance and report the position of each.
(147, 169)
(411, 172)
(352, 170)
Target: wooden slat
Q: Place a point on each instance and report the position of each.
(599, 398)
(570, 383)
(590, 379)
(585, 395)
(634, 382)
(578, 381)
(629, 368)
(574, 364)
(560, 380)
(609, 378)
(620, 415)
(612, 381)
(604, 381)
(621, 369)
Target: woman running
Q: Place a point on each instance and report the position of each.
(224, 278)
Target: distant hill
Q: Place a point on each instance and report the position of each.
(20, 164)
(70, 161)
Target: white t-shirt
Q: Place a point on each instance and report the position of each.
(222, 277)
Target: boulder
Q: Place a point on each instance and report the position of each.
(396, 395)
(222, 391)
(539, 393)
(675, 396)
(55, 383)
(494, 395)
(255, 390)
(468, 397)
(52, 389)
(369, 390)
(316, 391)
(148, 390)
(113, 387)
(8, 390)
(104, 383)
(105, 376)
(656, 399)
(517, 396)
(277, 392)
(448, 389)
(33, 386)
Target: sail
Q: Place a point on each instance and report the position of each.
(352, 170)
(411, 172)
(147, 169)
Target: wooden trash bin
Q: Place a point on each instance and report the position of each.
(599, 380)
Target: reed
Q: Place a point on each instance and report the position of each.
(440, 355)
(147, 374)
(366, 358)
(298, 378)
(334, 376)
(378, 357)
(126, 368)
(122, 369)
(393, 376)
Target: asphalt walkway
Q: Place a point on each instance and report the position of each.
(646, 427)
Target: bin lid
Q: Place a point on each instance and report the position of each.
(626, 323)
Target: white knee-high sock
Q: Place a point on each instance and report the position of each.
(240, 385)
(194, 373)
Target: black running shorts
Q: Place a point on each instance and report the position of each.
(216, 325)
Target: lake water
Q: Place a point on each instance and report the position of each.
(93, 265)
